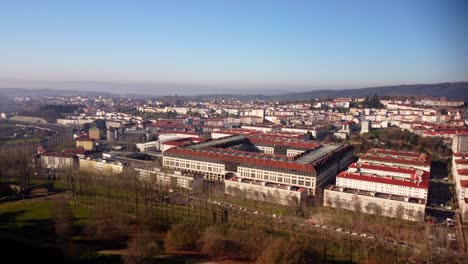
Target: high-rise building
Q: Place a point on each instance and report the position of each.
(95, 133)
(365, 126)
(460, 143)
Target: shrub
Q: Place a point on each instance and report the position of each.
(183, 236)
(142, 248)
(286, 251)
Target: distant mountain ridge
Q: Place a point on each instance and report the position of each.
(453, 91)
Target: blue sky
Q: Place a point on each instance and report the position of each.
(280, 44)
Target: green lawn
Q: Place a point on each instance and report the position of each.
(21, 140)
(21, 213)
(35, 219)
(59, 185)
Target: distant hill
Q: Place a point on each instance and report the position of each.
(12, 92)
(453, 91)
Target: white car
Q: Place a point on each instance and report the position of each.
(339, 229)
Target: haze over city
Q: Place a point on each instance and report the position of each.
(234, 131)
(199, 47)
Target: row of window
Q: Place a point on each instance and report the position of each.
(384, 188)
(194, 165)
(272, 176)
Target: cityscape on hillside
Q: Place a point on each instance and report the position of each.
(234, 132)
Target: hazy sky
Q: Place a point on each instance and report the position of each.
(298, 44)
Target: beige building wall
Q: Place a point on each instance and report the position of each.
(101, 166)
(265, 193)
(211, 171)
(409, 210)
(460, 143)
(85, 144)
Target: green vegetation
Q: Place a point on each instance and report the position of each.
(21, 140)
(183, 236)
(23, 213)
(395, 138)
(373, 102)
(51, 112)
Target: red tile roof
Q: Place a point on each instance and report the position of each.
(394, 152)
(178, 132)
(232, 156)
(382, 168)
(424, 184)
(396, 160)
(84, 139)
(178, 142)
(267, 140)
(397, 157)
(461, 161)
(464, 183)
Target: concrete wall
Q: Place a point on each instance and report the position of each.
(412, 211)
(265, 193)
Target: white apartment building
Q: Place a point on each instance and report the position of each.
(174, 179)
(381, 183)
(101, 166)
(460, 177)
(57, 160)
(460, 143)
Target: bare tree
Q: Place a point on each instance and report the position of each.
(357, 204)
(143, 248)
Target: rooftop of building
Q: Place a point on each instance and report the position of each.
(242, 148)
(266, 184)
(377, 194)
(421, 180)
(58, 154)
(461, 161)
(397, 157)
(242, 157)
(382, 168)
(464, 183)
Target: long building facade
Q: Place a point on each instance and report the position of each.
(260, 163)
(390, 183)
(460, 177)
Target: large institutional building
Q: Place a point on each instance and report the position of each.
(391, 183)
(460, 177)
(263, 166)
